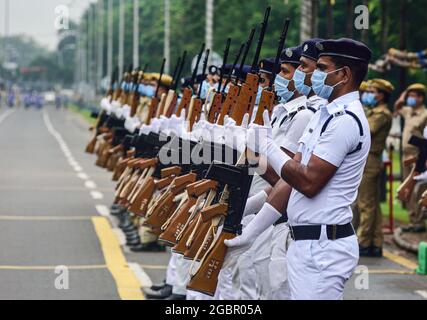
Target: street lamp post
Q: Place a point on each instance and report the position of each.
(135, 33)
(167, 36)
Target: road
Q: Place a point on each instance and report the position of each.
(58, 241)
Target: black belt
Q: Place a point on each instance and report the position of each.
(283, 219)
(334, 232)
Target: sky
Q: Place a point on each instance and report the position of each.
(36, 18)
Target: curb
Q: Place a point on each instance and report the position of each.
(397, 237)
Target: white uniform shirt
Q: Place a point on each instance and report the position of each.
(315, 102)
(342, 136)
(287, 130)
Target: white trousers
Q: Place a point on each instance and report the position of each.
(182, 275)
(171, 270)
(277, 268)
(318, 270)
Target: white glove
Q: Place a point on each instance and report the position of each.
(260, 140)
(255, 203)
(421, 177)
(235, 136)
(115, 105)
(425, 133)
(105, 104)
(217, 133)
(126, 111)
(176, 124)
(164, 123)
(131, 124)
(262, 221)
(199, 128)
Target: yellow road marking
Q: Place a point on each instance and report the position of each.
(42, 268)
(127, 284)
(390, 271)
(45, 218)
(400, 260)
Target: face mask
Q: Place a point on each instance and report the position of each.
(281, 86)
(319, 87)
(365, 99)
(299, 78)
(205, 89)
(411, 102)
(258, 96)
(150, 91)
(368, 99)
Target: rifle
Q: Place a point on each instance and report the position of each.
(161, 211)
(102, 116)
(188, 92)
(155, 100)
(268, 95)
(196, 102)
(230, 210)
(405, 190)
(249, 89)
(233, 91)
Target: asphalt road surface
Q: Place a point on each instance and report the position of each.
(58, 241)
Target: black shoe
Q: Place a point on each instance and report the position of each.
(364, 251)
(158, 287)
(376, 252)
(163, 293)
(176, 297)
(148, 247)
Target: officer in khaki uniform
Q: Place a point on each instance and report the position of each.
(411, 106)
(368, 202)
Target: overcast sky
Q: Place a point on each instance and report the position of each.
(36, 18)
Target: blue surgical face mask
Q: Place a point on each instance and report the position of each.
(299, 79)
(258, 96)
(320, 88)
(205, 89)
(150, 91)
(368, 99)
(281, 86)
(365, 98)
(411, 102)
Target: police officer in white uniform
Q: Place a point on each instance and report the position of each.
(325, 174)
(290, 118)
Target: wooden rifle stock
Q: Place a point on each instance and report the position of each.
(161, 108)
(185, 101)
(206, 279)
(152, 109)
(181, 219)
(247, 98)
(229, 103)
(167, 205)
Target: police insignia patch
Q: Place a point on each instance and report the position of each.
(319, 46)
(289, 53)
(305, 47)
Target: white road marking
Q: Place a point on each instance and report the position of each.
(141, 275)
(90, 184)
(5, 115)
(121, 237)
(82, 176)
(74, 164)
(422, 293)
(96, 195)
(103, 210)
(77, 168)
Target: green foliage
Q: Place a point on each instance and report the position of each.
(235, 18)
